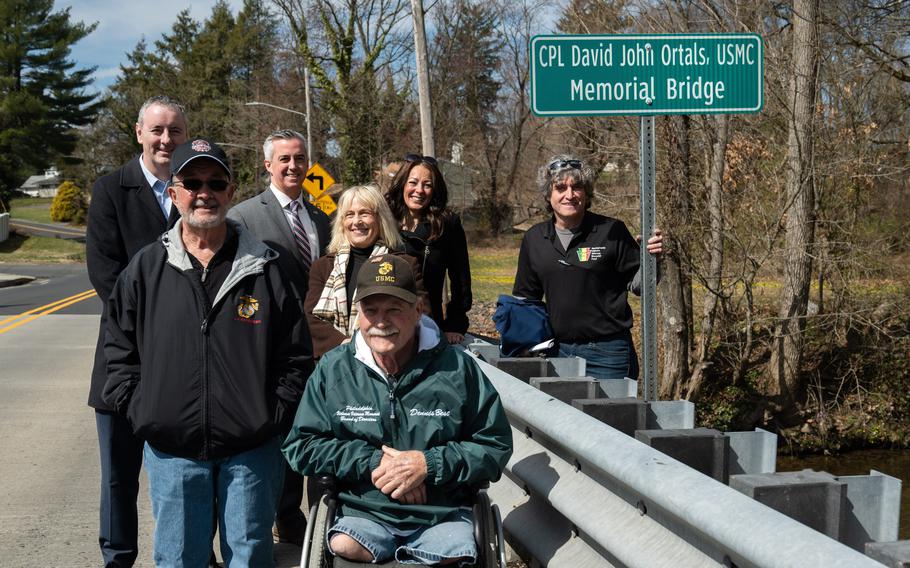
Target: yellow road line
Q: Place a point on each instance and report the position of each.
(36, 313)
(87, 293)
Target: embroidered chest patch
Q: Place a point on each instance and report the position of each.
(357, 413)
(586, 254)
(247, 307)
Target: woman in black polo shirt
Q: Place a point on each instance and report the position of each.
(583, 265)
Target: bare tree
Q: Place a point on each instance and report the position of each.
(352, 41)
(787, 350)
(713, 279)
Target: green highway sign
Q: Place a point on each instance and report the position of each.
(574, 75)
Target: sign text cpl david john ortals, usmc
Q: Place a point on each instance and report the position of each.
(642, 59)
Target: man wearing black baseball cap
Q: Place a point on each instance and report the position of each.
(399, 379)
(207, 354)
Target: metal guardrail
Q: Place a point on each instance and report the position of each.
(4, 226)
(579, 493)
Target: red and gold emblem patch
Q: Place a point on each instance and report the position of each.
(247, 307)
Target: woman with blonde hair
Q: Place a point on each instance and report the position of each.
(363, 228)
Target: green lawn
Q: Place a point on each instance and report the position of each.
(493, 271)
(44, 250)
(36, 209)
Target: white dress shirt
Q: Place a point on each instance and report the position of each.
(159, 188)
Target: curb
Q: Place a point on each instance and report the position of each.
(7, 280)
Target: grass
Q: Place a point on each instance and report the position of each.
(37, 209)
(40, 250)
(493, 270)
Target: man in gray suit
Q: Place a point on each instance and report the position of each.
(283, 218)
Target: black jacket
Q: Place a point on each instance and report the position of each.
(123, 217)
(585, 288)
(205, 384)
(448, 253)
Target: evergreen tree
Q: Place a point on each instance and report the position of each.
(42, 95)
(211, 67)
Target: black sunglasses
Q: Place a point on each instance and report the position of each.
(194, 185)
(557, 165)
(418, 158)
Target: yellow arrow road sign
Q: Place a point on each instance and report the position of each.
(316, 181)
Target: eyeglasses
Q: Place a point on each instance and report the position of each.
(194, 185)
(557, 165)
(418, 158)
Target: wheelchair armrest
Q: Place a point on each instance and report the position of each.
(327, 484)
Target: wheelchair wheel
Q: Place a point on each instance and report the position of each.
(486, 533)
(314, 553)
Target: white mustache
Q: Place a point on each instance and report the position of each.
(377, 332)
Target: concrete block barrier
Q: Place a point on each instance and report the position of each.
(625, 414)
(815, 498)
(703, 449)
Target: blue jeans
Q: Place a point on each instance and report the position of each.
(121, 461)
(186, 494)
(612, 358)
(453, 537)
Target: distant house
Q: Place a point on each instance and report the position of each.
(42, 185)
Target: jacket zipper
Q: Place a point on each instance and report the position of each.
(207, 438)
(391, 382)
(206, 441)
(203, 330)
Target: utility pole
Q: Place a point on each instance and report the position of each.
(309, 113)
(423, 80)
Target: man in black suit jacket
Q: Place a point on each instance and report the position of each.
(130, 208)
(283, 218)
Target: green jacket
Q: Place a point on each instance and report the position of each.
(440, 403)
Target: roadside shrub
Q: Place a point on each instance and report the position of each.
(69, 204)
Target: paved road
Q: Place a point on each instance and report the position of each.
(53, 282)
(53, 230)
(49, 466)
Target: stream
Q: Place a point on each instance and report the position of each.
(895, 463)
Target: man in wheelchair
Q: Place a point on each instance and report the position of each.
(407, 424)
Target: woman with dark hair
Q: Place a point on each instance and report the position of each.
(433, 234)
(583, 264)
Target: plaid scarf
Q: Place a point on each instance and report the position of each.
(333, 301)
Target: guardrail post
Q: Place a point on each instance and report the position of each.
(753, 452)
(4, 226)
(619, 388)
(671, 414)
(874, 509)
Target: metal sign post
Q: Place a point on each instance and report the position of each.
(646, 145)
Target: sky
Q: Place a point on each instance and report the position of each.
(121, 25)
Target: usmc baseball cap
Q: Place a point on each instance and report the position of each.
(198, 148)
(387, 274)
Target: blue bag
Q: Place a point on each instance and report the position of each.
(521, 324)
